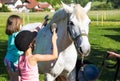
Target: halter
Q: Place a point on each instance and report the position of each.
(69, 31)
(75, 38)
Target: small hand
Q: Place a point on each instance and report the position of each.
(111, 54)
(54, 27)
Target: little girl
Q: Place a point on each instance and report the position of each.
(27, 65)
(14, 23)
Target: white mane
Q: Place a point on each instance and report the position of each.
(79, 12)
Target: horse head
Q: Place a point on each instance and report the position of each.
(78, 26)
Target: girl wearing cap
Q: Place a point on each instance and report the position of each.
(13, 26)
(27, 65)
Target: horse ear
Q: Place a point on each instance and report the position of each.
(67, 8)
(87, 7)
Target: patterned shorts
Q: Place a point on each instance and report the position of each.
(10, 65)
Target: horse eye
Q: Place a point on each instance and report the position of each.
(71, 23)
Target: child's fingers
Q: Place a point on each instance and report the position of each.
(54, 30)
(54, 27)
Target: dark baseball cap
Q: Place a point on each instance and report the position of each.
(23, 39)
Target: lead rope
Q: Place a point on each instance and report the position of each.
(102, 65)
(82, 67)
(82, 63)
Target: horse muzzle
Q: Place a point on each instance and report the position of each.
(84, 52)
(82, 47)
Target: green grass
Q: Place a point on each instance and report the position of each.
(102, 39)
(103, 36)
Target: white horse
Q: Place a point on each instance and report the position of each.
(73, 27)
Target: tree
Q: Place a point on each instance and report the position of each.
(4, 8)
(52, 2)
(115, 3)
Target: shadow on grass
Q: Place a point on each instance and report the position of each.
(96, 57)
(3, 47)
(114, 37)
(114, 29)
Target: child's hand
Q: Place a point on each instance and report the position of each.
(54, 36)
(54, 26)
(111, 54)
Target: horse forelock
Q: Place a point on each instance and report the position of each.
(79, 12)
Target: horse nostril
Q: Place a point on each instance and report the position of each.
(81, 51)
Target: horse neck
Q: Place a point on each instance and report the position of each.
(60, 18)
(63, 37)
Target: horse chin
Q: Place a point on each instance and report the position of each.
(82, 52)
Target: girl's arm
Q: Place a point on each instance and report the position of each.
(48, 57)
(113, 54)
(42, 24)
(38, 28)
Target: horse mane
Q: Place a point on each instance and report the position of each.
(79, 12)
(59, 15)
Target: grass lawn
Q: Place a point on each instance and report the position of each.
(102, 39)
(104, 35)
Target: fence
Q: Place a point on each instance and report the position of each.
(99, 17)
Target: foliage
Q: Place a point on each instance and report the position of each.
(82, 2)
(101, 6)
(96, 4)
(115, 3)
(52, 2)
(4, 9)
(23, 0)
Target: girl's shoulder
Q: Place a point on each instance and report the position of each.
(32, 60)
(15, 33)
(21, 57)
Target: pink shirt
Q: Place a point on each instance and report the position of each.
(27, 71)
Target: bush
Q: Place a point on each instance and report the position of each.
(4, 9)
(101, 6)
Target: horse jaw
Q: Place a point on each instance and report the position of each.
(87, 7)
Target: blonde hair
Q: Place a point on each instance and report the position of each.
(13, 24)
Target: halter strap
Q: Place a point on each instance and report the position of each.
(82, 34)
